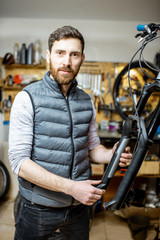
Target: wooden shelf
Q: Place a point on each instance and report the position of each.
(12, 88)
(11, 66)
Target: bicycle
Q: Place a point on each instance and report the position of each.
(4, 181)
(135, 126)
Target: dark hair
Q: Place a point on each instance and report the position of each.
(64, 33)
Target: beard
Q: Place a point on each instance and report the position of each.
(63, 79)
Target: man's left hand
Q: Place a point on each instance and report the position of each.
(126, 156)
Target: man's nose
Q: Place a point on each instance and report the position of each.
(67, 60)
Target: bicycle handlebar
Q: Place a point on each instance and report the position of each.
(148, 31)
(148, 27)
(143, 28)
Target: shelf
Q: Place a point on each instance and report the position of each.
(109, 136)
(12, 88)
(11, 66)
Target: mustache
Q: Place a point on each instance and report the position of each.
(65, 69)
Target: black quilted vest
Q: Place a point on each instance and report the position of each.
(60, 140)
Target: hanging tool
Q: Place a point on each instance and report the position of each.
(109, 76)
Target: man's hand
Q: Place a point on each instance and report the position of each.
(85, 192)
(126, 156)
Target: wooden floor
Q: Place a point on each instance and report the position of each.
(104, 225)
(108, 226)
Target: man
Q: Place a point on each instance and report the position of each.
(52, 134)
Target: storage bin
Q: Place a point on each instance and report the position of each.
(5, 130)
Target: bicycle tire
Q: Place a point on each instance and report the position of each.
(118, 83)
(4, 180)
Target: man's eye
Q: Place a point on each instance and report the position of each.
(75, 54)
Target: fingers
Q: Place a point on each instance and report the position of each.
(114, 147)
(126, 156)
(94, 182)
(125, 159)
(127, 149)
(95, 196)
(91, 202)
(116, 144)
(97, 191)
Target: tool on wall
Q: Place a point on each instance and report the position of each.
(92, 81)
(109, 76)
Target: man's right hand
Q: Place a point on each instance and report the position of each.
(85, 192)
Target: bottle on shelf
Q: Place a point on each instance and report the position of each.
(16, 52)
(37, 52)
(30, 54)
(23, 54)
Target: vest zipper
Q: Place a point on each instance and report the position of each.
(71, 130)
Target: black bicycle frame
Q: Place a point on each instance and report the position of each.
(133, 124)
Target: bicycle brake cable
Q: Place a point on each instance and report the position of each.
(130, 88)
(149, 66)
(129, 78)
(144, 45)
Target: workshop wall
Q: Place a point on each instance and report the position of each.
(105, 40)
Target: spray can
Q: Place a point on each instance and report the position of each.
(23, 54)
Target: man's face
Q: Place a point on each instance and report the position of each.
(65, 60)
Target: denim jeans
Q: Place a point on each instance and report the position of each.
(39, 222)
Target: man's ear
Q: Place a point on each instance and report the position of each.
(48, 56)
(83, 58)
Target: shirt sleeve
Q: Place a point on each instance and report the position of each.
(20, 131)
(94, 140)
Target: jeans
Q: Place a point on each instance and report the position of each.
(39, 222)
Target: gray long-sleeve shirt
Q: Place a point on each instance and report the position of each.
(21, 131)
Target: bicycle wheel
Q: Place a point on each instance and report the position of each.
(121, 95)
(4, 181)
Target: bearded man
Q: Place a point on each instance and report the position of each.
(52, 136)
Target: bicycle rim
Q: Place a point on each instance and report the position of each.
(121, 96)
(4, 181)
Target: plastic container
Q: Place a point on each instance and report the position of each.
(5, 130)
(104, 124)
(16, 52)
(37, 52)
(30, 54)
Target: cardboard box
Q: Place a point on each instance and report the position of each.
(127, 212)
(97, 169)
(150, 168)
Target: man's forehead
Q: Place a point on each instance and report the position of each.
(68, 43)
